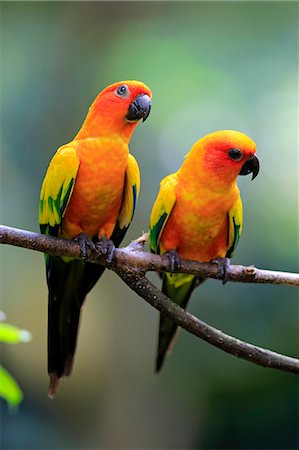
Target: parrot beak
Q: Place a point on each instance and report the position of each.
(252, 165)
(139, 108)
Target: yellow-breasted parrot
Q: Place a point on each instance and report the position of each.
(198, 214)
(89, 193)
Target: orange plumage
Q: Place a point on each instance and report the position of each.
(206, 190)
(102, 148)
(90, 190)
(198, 212)
(95, 202)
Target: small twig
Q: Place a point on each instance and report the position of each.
(131, 264)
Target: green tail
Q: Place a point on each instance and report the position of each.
(178, 287)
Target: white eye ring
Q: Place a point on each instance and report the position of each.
(122, 91)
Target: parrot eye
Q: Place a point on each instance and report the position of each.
(123, 91)
(235, 154)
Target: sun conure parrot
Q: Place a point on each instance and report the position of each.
(89, 193)
(198, 215)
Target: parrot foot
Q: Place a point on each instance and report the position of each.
(85, 243)
(174, 260)
(223, 267)
(106, 247)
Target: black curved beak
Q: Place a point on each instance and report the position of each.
(252, 165)
(139, 108)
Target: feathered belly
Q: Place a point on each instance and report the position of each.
(96, 199)
(197, 233)
(93, 211)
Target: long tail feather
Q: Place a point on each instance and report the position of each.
(68, 283)
(178, 288)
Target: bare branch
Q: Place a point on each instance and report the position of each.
(131, 263)
(260, 356)
(133, 255)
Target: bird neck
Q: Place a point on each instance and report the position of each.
(101, 122)
(198, 174)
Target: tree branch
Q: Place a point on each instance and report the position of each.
(133, 255)
(131, 263)
(266, 358)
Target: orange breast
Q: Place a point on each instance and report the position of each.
(197, 227)
(97, 195)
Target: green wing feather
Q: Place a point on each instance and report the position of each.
(161, 210)
(57, 189)
(235, 220)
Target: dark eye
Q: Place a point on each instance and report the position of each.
(235, 154)
(122, 91)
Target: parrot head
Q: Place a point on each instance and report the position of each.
(117, 110)
(229, 153)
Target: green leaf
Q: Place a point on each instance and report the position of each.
(13, 335)
(9, 389)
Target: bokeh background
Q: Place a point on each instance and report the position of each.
(211, 66)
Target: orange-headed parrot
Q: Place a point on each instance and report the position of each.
(198, 215)
(89, 193)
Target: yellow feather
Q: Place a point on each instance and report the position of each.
(61, 171)
(162, 207)
(235, 215)
(129, 202)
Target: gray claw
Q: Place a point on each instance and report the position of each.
(223, 267)
(85, 243)
(106, 247)
(174, 260)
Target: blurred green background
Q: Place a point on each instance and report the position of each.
(210, 66)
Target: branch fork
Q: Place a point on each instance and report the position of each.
(131, 264)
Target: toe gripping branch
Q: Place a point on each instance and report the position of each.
(85, 244)
(174, 260)
(105, 246)
(223, 268)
